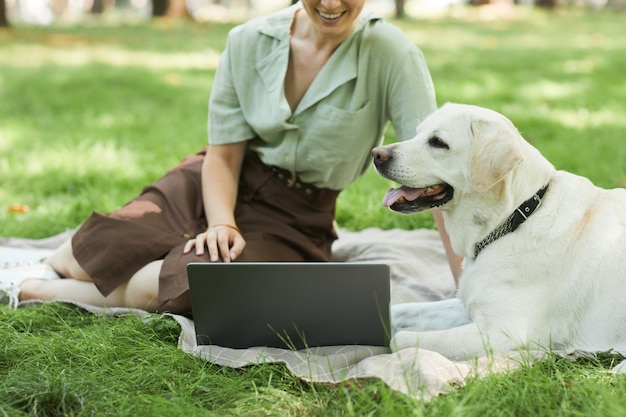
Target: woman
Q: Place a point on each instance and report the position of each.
(299, 100)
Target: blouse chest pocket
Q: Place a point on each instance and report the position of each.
(337, 135)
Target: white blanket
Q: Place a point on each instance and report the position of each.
(419, 273)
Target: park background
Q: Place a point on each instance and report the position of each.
(93, 106)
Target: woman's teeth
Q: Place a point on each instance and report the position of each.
(329, 15)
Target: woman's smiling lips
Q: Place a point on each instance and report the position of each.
(329, 16)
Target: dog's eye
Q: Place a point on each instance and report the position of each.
(436, 142)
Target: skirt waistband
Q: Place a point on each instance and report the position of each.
(293, 182)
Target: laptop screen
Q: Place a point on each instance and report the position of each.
(291, 305)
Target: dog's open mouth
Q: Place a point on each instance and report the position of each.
(411, 200)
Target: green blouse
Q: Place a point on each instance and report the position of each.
(375, 76)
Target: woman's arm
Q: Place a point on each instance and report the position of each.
(454, 260)
(220, 179)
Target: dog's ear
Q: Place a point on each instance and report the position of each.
(495, 152)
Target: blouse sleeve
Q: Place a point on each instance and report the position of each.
(409, 87)
(227, 123)
(412, 88)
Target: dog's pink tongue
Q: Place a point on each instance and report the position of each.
(403, 193)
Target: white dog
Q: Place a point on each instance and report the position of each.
(544, 250)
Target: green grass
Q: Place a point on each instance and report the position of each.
(90, 114)
(58, 360)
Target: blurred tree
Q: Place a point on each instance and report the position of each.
(169, 8)
(97, 7)
(484, 2)
(4, 22)
(399, 8)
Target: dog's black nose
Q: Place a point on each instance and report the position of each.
(381, 155)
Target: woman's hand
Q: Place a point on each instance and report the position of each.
(222, 241)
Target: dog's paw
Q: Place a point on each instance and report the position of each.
(426, 316)
(402, 340)
(405, 316)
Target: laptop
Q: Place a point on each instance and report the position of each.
(292, 305)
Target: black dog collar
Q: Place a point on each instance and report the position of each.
(518, 217)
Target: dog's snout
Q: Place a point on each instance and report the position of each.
(381, 155)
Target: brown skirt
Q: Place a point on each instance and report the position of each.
(281, 219)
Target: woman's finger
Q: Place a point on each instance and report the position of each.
(237, 247)
(200, 242)
(189, 245)
(211, 244)
(224, 242)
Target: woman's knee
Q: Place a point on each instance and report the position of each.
(63, 262)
